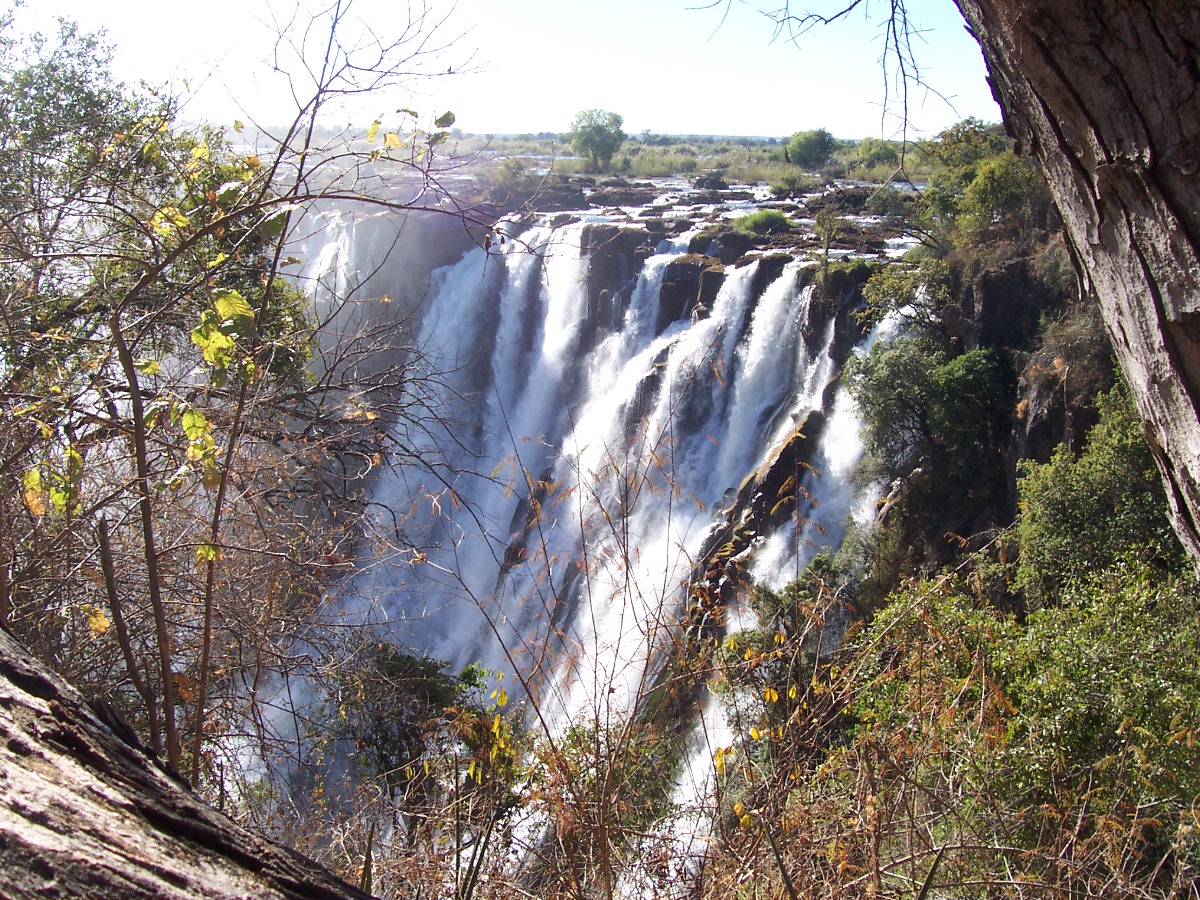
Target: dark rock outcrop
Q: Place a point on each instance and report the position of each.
(689, 286)
(766, 499)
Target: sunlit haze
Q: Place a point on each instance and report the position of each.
(668, 66)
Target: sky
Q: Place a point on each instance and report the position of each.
(667, 66)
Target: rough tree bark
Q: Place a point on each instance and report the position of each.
(1105, 94)
(85, 814)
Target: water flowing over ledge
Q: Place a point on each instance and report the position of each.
(604, 404)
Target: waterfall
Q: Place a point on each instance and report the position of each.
(584, 453)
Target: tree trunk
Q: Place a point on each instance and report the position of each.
(1105, 94)
(85, 814)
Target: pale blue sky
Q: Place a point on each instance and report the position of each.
(665, 65)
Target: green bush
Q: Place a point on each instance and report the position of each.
(1081, 515)
(1077, 729)
(873, 152)
(921, 408)
(1006, 191)
(811, 149)
(764, 221)
(791, 184)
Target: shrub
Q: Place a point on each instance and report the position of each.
(811, 149)
(1081, 515)
(764, 221)
(1070, 736)
(873, 152)
(791, 184)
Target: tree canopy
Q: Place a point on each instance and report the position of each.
(597, 134)
(811, 149)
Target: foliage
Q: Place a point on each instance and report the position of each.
(1005, 192)
(983, 190)
(790, 185)
(597, 134)
(810, 149)
(920, 295)
(388, 704)
(512, 176)
(891, 204)
(764, 221)
(921, 408)
(1082, 515)
(1070, 737)
(602, 785)
(182, 425)
(874, 152)
(966, 143)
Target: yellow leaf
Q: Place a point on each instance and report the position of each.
(373, 131)
(391, 139)
(792, 692)
(719, 760)
(252, 161)
(35, 502)
(238, 125)
(755, 734)
(97, 621)
(746, 822)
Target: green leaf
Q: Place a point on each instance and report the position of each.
(229, 192)
(406, 111)
(210, 476)
(272, 227)
(195, 426)
(439, 138)
(206, 553)
(238, 125)
(230, 304)
(146, 366)
(372, 131)
(445, 120)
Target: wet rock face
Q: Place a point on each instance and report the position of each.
(713, 182)
(850, 201)
(764, 501)
(690, 285)
(615, 256)
(996, 307)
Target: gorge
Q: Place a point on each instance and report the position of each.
(641, 417)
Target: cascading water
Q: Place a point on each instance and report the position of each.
(613, 425)
(602, 405)
(586, 445)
